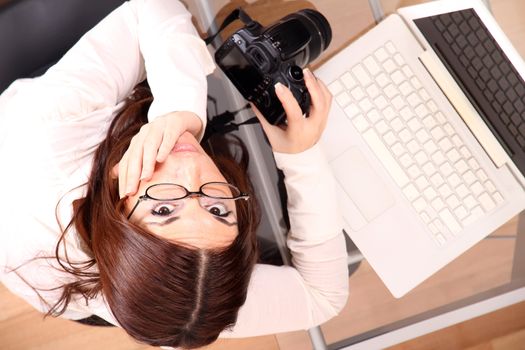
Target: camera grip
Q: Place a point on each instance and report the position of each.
(295, 79)
(302, 96)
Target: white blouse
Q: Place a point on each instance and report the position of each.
(50, 127)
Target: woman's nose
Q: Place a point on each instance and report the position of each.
(188, 176)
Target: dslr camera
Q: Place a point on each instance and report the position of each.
(255, 58)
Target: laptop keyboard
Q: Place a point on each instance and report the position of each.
(418, 147)
(484, 72)
(482, 59)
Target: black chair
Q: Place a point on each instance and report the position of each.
(35, 34)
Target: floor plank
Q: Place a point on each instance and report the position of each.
(503, 329)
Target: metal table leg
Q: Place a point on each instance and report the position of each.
(317, 338)
(518, 263)
(377, 10)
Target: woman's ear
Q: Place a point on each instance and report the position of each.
(114, 172)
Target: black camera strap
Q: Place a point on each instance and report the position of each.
(224, 122)
(238, 13)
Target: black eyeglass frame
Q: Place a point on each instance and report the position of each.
(198, 193)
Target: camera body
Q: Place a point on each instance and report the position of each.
(255, 58)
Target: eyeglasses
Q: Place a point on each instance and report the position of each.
(207, 194)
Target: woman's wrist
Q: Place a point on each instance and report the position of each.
(308, 157)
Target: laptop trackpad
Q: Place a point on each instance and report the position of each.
(362, 184)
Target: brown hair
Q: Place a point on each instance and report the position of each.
(160, 292)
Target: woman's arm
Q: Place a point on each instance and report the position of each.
(315, 288)
(78, 97)
(153, 37)
(176, 58)
(87, 87)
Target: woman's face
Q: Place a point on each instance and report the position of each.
(186, 221)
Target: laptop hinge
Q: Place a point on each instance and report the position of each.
(464, 108)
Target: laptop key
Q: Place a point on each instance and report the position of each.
(381, 54)
(351, 111)
(361, 75)
(348, 81)
(371, 65)
(343, 99)
(335, 87)
(377, 146)
(440, 238)
(486, 202)
(360, 123)
(498, 198)
(450, 221)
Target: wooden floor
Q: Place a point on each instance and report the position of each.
(485, 266)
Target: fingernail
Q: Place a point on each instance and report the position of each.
(278, 87)
(308, 73)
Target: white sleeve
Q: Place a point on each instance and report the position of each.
(315, 289)
(141, 37)
(172, 42)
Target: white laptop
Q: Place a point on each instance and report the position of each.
(426, 137)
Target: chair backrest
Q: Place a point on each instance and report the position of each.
(35, 34)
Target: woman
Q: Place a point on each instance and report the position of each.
(148, 231)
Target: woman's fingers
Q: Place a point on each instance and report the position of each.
(322, 109)
(151, 145)
(300, 133)
(312, 85)
(291, 107)
(267, 127)
(327, 95)
(168, 142)
(262, 119)
(134, 166)
(122, 174)
(270, 130)
(319, 93)
(171, 131)
(150, 149)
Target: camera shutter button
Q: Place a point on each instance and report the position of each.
(295, 73)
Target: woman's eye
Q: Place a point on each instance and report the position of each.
(163, 209)
(219, 209)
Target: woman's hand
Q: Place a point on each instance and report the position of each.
(300, 133)
(152, 144)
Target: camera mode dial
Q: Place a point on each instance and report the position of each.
(295, 73)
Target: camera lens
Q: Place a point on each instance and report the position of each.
(320, 31)
(302, 36)
(296, 73)
(321, 25)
